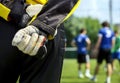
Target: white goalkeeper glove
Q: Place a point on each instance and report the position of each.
(28, 40)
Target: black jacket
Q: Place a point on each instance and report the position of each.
(53, 15)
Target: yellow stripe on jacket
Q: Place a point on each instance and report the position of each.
(73, 9)
(4, 12)
(43, 2)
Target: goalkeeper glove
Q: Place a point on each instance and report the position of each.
(29, 40)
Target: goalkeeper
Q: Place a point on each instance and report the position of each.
(36, 53)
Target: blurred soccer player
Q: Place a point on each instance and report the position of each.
(116, 49)
(104, 43)
(83, 44)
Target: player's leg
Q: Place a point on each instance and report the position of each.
(113, 65)
(87, 66)
(114, 56)
(109, 66)
(100, 58)
(80, 62)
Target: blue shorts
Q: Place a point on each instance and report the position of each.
(116, 55)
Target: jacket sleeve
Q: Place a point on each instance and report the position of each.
(53, 14)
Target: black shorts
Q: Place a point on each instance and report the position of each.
(83, 58)
(104, 54)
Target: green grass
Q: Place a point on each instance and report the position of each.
(70, 72)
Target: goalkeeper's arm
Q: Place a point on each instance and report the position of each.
(53, 14)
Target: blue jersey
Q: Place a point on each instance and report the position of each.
(81, 44)
(107, 36)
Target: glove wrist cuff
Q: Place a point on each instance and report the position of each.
(40, 32)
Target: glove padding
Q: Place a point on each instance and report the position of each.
(34, 9)
(28, 40)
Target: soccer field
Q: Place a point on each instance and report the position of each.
(70, 72)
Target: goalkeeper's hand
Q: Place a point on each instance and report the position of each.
(29, 40)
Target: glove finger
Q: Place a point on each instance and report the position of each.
(24, 42)
(31, 43)
(18, 37)
(39, 43)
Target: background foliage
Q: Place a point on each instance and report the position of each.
(73, 25)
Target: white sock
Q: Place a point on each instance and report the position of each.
(108, 78)
(87, 71)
